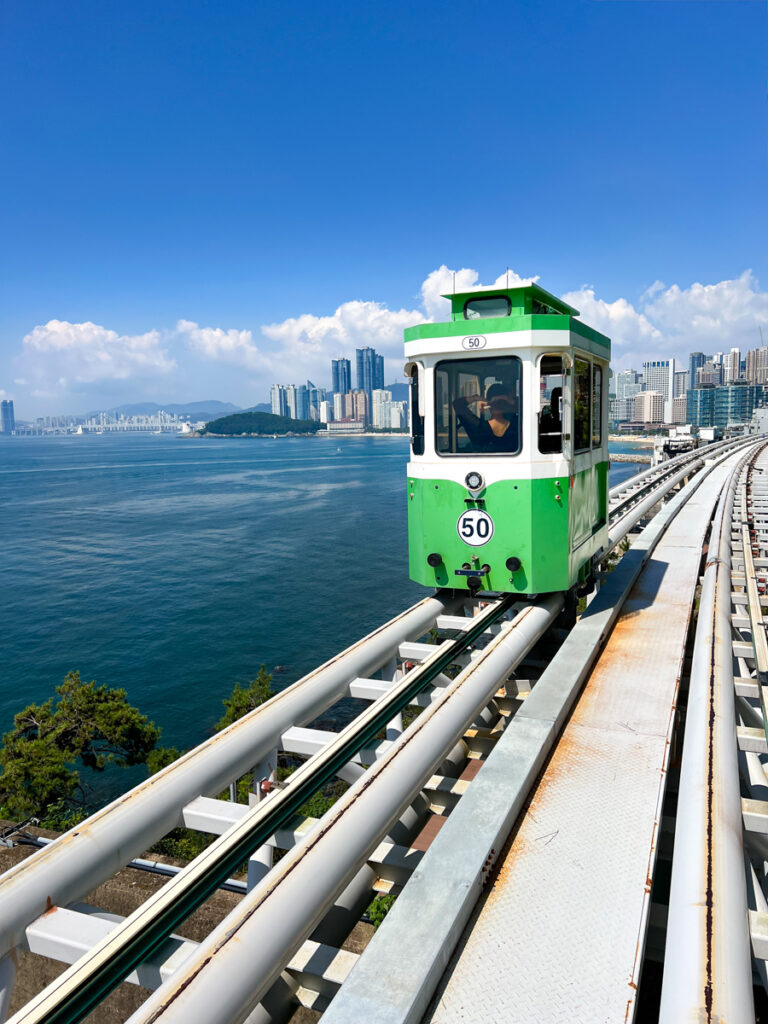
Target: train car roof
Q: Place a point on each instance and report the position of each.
(521, 298)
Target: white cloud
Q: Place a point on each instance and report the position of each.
(714, 316)
(310, 341)
(230, 346)
(674, 321)
(59, 357)
(620, 321)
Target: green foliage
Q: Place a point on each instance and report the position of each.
(323, 800)
(86, 725)
(182, 844)
(245, 698)
(379, 909)
(259, 423)
(60, 817)
(160, 758)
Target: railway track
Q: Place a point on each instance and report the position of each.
(470, 684)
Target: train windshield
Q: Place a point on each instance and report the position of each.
(478, 406)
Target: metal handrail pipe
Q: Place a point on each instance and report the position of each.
(708, 965)
(74, 993)
(231, 970)
(671, 464)
(94, 850)
(622, 526)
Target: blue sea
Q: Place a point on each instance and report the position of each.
(175, 567)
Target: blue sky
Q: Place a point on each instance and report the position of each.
(177, 177)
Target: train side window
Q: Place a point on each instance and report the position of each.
(597, 405)
(582, 380)
(551, 415)
(478, 405)
(488, 306)
(417, 420)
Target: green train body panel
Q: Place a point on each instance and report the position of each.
(548, 503)
(554, 539)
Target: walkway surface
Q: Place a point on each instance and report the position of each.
(559, 936)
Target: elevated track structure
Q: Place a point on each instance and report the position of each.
(575, 811)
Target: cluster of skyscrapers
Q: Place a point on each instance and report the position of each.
(718, 390)
(344, 409)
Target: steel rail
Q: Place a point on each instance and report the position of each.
(248, 908)
(624, 523)
(81, 987)
(94, 850)
(641, 483)
(399, 971)
(632, 481)
(164, 814)
(754, 611)
(225, 978)
(708, 967)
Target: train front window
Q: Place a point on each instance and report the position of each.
(551, 395)
(492, 305)
(478, 406)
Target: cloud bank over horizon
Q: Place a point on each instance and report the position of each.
(73, 367)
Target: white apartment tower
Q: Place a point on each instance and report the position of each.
(649, 407)
(659, 376)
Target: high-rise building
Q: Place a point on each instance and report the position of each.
(302, 402)
(700, 406)
(361, 408)
(681, 384)
(315, 396)
(278, 400)
(326, 413)
(757, 366)
(710, 374)
(341, 376)
(649, 407)
(370, 367)
(627, 384)
(290, 401)
(680, 407)
(7, 418)
(732, 366)
(380, 410)
(339, 412)
(695, 361)
(659, 375)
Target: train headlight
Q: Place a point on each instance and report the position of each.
(474, 481)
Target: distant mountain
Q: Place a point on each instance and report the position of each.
(204, 410)
(399, 391)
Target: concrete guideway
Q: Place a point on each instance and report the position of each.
(354, 860)
(566, 918)
(550, 922)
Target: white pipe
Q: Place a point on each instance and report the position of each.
(708, 961)
(231, 970)
(7, 979)
(94, 850)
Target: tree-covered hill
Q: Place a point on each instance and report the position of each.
(259, 423)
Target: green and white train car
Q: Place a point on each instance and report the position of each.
(508, 476)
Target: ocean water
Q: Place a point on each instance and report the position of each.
(175, 567)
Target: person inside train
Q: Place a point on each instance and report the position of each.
(551, 425)
(500, 432)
